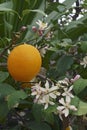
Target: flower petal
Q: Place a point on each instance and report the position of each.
(52, 95)
(34, 93)
(66, 112)
(71, 87)
(68, 99)
(72, 107)
(47, 84)
(60, 108)
(46, 106)
(62, 101)
(52, 103)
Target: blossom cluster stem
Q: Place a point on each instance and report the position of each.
(65, 122)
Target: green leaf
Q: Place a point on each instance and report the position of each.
(7, 7)
(57, 123)
(37, 112)
(6, 89)
(48, 114)
(74, 33)
(48, 117)
(84, 46)
(51, 109)
(14, 98)
(80, 105)
(69, 3)
(82, 109)
(35, 11)
(74, 24)
(3, 76)
(56, 6)
(79, 85)
(3, 110)
(63, 64)
(75, 101)
(39, 126)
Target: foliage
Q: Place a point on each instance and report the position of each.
(59, 32)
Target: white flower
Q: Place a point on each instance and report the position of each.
(45, 95)
(37, 90)
(43, 51)
(51, 91)
(42, 25)
(46, 101)
(59, 85)
(63, 83)
(84, 62)
(65, 107)
(67, 93)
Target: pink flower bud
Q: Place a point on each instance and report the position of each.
(75, 78)
(40, 32)
(23, 28)
(34, 28)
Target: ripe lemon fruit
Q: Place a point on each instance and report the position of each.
(24, 62)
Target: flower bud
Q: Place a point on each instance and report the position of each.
(34, 28)
(75, 78)
(23, 28)
(40, 32)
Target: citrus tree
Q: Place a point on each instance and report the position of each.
(43, 64)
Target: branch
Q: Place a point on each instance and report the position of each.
(16, 36)
(5, 49)
(44, 77)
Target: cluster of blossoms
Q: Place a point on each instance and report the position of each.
(59, 93)
(42, 26)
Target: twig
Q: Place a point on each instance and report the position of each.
(31, 40)
(5, 49)
(13, 42)
(65, 122)
(44, 77)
